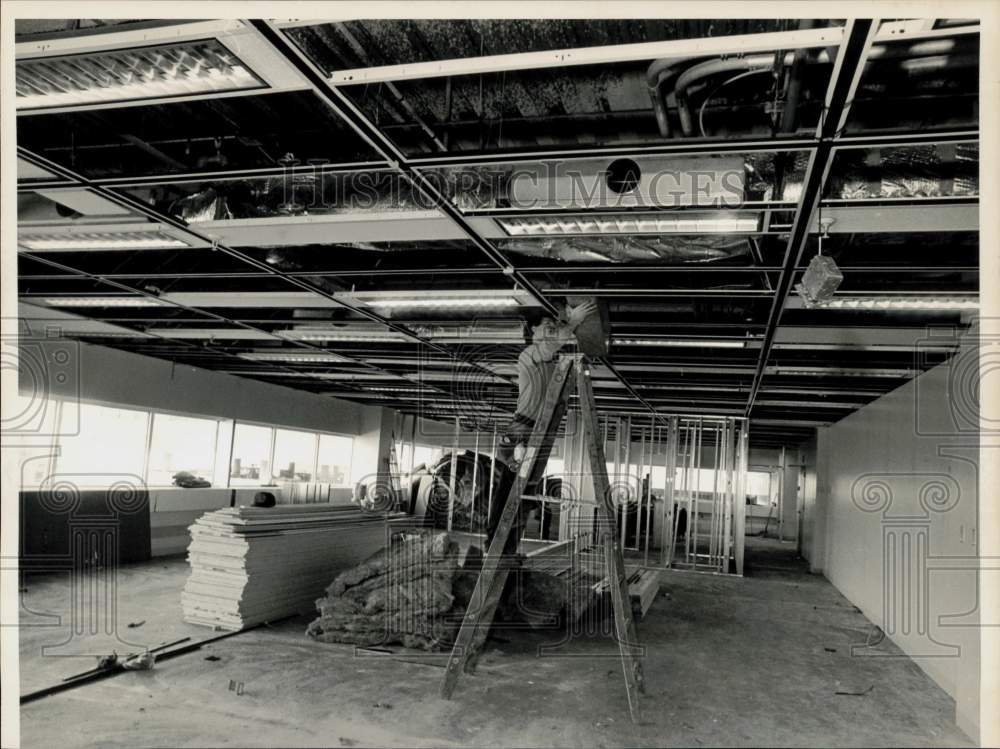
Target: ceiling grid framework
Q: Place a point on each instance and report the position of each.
(701, 323)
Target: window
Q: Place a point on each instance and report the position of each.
(251, 462)
(181, 443)
(334, 463)
(758, 487)
(103, 444)
(294, 455)
(96, 446)
(30, 428)
(422, 455)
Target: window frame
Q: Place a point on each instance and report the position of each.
(225, 429)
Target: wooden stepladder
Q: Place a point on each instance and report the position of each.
(571, 372)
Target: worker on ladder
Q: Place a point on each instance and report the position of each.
(535, 366)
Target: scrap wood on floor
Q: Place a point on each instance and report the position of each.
(643, 587)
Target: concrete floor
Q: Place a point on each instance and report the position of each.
(729, 662)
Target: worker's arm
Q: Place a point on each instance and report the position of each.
(564, 331)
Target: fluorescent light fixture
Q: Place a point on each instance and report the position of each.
(386, 389)
(102, 301)
(300, 358)
(680, 342)
(648, 223)
(810, 404)
(455, 377)
(446, 303)
(222, 334)
(839, 372)
(104, 334)
(443, 299)
(464, 406)
(315, 375)
(251, 299)
(320, 334)
(945, 347)
(917, 303)
(127, 74)
(104, 240)
(349, 376)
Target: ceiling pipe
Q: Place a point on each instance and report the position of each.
(659, 73)
(752, 63)
(712, 67)
(789, 116)
(279, 260)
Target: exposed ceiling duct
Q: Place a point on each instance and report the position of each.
(632, 248)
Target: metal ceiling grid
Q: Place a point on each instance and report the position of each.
(767, 276)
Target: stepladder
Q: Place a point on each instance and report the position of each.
(572, 372)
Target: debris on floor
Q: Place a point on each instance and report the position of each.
(855, 692)
(415, 592)
(133, 625)
(140, 662)
(400, 594)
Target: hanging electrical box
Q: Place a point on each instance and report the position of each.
(820, 281)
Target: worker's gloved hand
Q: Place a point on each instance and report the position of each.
(519, 451)
(576, 315)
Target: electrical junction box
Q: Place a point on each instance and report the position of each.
(820, 281)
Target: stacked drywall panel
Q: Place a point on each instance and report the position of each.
(250, 564)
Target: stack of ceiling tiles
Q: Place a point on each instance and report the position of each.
(251, 564)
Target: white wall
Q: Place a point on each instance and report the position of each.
(811, 545)
(372, 445)
(878, 472)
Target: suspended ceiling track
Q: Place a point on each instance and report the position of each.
(680, 148)
(201, 348)
(413, 164)
(734, 44)
(424, 272)
(844, 80)
(343, 106)
(148, 211)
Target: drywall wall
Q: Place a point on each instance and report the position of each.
(370, 459)
(811, 542)
(897, 494)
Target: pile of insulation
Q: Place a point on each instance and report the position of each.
(415, 591)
